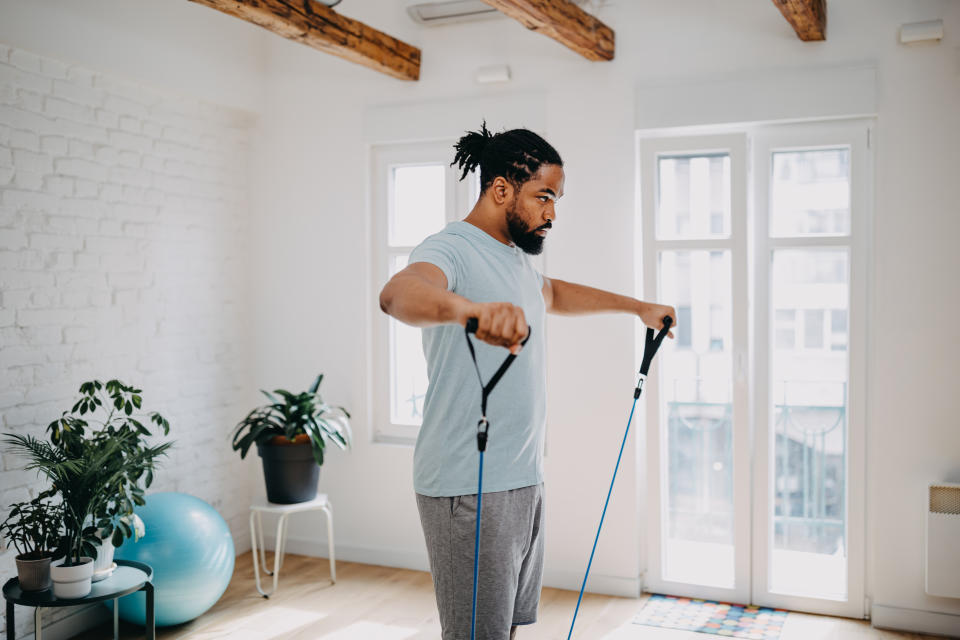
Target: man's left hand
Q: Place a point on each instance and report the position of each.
(652, 315)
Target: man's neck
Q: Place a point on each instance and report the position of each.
(492, 223)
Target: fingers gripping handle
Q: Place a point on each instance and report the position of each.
(474, 323)
(653, 343)
(667, 323)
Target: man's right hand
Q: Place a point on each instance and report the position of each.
(498, 323)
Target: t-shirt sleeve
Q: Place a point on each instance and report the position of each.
(441, 252)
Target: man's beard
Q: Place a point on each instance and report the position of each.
(522, 235)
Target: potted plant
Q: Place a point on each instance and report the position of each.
(291, 435)
(96, 473)
(103, 565)
(34, 529)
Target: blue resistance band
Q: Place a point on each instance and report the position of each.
(650, 350)
(483, 428)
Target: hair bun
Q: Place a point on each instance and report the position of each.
(470, 149)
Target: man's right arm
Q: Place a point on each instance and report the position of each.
(418, 296)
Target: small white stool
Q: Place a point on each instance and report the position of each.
(261, 506)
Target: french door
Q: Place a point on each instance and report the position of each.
(755, 412)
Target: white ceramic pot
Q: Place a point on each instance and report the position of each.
(72, 582)
(104, 555)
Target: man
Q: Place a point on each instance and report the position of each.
(477, 268)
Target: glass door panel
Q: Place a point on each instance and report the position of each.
(697, 476)
(696, 382)
(809, 298)
(812, 183)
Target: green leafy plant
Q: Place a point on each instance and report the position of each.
(298, 417)
(34, 528)
(96, 466)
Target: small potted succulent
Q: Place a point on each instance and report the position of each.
(291, 435)
(97, 474)
(34, 530)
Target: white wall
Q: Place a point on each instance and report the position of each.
(590, 109)
(310, 297)
(124, 234)
(179, 46)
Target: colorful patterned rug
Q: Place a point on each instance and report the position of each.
(706, 616)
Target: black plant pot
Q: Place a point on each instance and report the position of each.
(290, 472)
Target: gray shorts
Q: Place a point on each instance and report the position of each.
(511, 560)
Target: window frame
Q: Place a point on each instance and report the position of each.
(458, 199)
(759, 140)
(650, 150)
(855, 134)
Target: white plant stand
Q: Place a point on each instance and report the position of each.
(261, 506)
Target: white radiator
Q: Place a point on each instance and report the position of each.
(943, 541)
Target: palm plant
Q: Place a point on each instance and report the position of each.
(96, 472)
(304, 414)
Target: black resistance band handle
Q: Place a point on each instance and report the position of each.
(474, 323)
(484, 425)
(652, 344)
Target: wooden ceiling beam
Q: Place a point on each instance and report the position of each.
(807, 17)
(563, 21)
(317, 25)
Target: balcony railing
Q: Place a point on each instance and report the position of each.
(809, 476)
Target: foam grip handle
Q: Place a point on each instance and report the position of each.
(667, 321)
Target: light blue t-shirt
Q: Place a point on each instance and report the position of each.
(481, 269)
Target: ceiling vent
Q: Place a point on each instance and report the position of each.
(452, 11)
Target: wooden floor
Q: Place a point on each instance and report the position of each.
(378, 603)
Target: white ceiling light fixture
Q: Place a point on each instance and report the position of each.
(453, 11)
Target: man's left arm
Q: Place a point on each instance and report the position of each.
(568, 298)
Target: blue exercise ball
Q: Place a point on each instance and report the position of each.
(189, 547)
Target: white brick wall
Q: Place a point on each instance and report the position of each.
(123, 245)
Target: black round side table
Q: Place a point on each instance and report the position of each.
(128, 577)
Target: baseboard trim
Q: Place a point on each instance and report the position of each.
(598, 583)
(399, 558)
(417, 561)
(915, 621)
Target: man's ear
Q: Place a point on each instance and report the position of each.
(502, 190)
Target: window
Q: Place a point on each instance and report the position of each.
(755, 428)
(691, 234)
(415, 194)
(684, 330)
(693, 196)
(810, 193)
(785, 328)
(813, 211)
(813, 328)
(838, 329)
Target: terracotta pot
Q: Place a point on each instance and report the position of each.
(284, 440)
